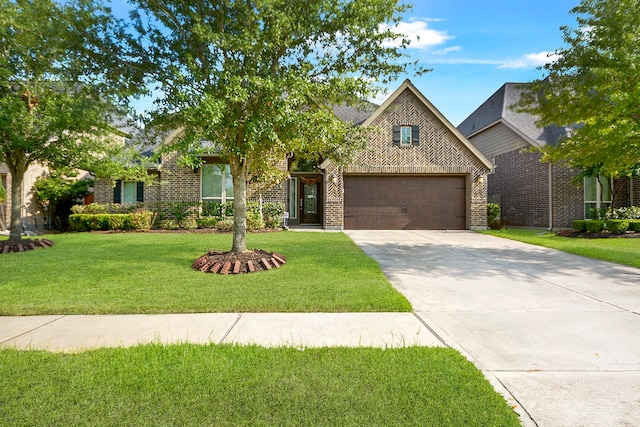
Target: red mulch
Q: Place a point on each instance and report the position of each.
(23, 245)
(238, 263)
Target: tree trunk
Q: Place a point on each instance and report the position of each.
(17, 171)
(239, 172)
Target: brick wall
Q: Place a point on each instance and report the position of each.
(520, 183)
(568, 197)
(32, 216)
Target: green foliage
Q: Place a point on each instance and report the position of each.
(256, 79)
(593, 88)
(493, 215)
(3, 193)
(93, 222)
(143, 219)
(54, 189)
(634, 225)
(63, 74)
(595, 226)
(207, 222)
(616, 225)
(580, 224)
(273, 214)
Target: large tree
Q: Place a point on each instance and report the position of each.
(63, 82)
(257, 78)
(593, 88)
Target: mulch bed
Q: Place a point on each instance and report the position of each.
(600, 235)
(23, 245)
(238, 263)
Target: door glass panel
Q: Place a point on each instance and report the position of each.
(292, 198)
(310, 199)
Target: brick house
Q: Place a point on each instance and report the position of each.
(532, 193)
(32, 218)
(417, 172)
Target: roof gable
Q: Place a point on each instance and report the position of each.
(499, 108)
(408, 86)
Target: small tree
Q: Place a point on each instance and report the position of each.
(257, 79)
(593, 88)
(57, 194)
(63, 80)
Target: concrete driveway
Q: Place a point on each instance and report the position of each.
(558, 334)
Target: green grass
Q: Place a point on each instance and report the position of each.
(230, 385)
(618, 250)
(86, 273)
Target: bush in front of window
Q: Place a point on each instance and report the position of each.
(595, 226)
(634, 225)
(100, 222)
(617, 226)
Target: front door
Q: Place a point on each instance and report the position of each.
(311, 200)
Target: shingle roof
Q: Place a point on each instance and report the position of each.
(354, 114)
(499, 108)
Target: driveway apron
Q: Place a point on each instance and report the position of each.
(558, 334)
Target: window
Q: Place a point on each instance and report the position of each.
(406, 135)
(216, 183)
(128, 192)
(292, 201)
(597, 194)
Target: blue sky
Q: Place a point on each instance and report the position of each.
(474, 47)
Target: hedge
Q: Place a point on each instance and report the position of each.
(93, 222)
(617, 225)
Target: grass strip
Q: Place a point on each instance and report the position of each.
(91, 273)
(235, 385)
(619, 250)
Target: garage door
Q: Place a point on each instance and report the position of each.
(404, 203)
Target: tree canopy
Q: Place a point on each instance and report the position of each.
(63, 81)
(257, 78)
(593, 88)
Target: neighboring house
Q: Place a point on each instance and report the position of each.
(532, 193)
(418, 172)
(32, 218)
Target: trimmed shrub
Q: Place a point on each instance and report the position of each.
(225, 224)
(595, 226)
(634, 225)
(92, 222)
(617, 225)
(207, 222)
(580, 224)
(168, 224)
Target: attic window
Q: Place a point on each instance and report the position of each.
(406, 136)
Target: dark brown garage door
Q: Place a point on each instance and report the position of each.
(404, 203)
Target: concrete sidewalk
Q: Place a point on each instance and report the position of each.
(77, 332)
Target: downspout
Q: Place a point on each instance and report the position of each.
(550, 197)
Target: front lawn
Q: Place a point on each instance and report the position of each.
(191, 385)
(87, 273)
(620, 250)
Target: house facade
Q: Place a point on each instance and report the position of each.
(532, 193)
(417, 172)
(33, 219)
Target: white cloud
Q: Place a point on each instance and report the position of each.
(420, 35)
(530, 60)
(447, 50)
